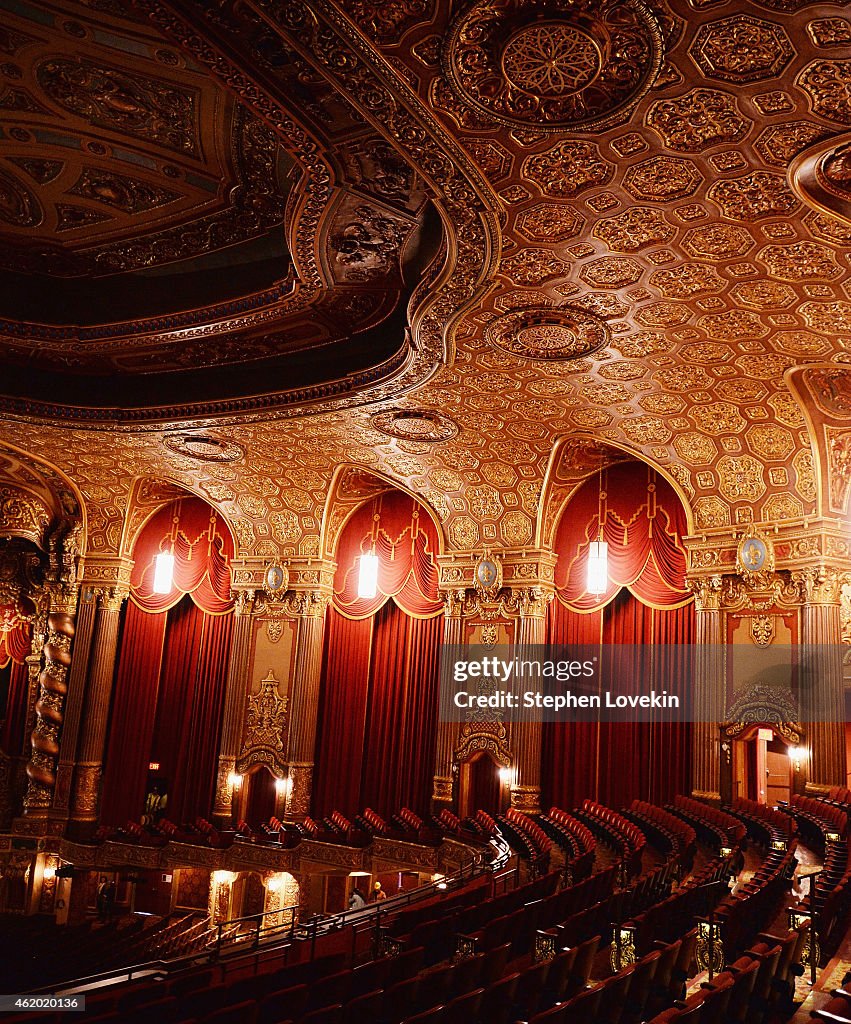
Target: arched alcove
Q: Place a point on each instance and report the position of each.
(646, 602)
(171, 669)
(378, 707)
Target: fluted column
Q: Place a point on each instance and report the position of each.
(236, 687)
(822, 693)
(104, 651)
(304, 699)
(709, 669)
(49, 705)
(447, 732)
(525, 734)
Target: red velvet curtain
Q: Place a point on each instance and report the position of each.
(134, 708)
(14, 721)
(403, 536)
(401, 719)
(342, 713)
(642, 521)
(15, 645)
(617, 762)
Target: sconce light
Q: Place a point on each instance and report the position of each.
(49, 873)
(223, 877)
(368, 576)
(235, 780)
(274, 883)
(505, 775)
(283, 787)
(163, 572)
(796, 756)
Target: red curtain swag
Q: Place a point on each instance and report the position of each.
(403, 536)
(643, 522)
(202, 547)
(15, 635)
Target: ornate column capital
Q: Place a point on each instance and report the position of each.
(307, 603)
(820, 584)
(707, 592)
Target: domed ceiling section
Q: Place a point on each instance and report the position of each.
(640, 262)
(152, 223)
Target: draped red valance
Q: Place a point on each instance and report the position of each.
(15, 635)
(202, 547)
(643, 522)
(403, 536)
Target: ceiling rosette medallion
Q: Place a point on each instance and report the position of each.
(821, 176)
(415, 425)
(204, 448)
(556, 66)
(549, 333)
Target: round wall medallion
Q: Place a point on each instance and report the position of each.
(551, 333)
(204, 448)
(556, 65)
(415, 425)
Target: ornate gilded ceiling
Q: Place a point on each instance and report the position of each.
(586, 229)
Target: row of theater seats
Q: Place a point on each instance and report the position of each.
(678, 913)
(615, 906)
(815, 817)
(670, 834)
(526, 838)
(759, 899)
(616, 831)
(575, 840)
(754, 989)
(633, 994)
(763, 823)
(714, 827)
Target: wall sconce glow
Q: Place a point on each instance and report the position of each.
(283, 786)
(163, 572)
(275, 883)
(49, 873)
(235, 780)
(598, 567)
(505, 776)
(223, 877)
(797, 755)
(368, 576)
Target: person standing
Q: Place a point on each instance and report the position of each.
(378, 894)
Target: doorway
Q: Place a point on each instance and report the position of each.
(480, 786)
(762, 767)
(259, 800)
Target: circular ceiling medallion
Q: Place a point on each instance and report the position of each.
(204, 448)
(552, 333)
(550, 59)
(556, 65)
(415, 425)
